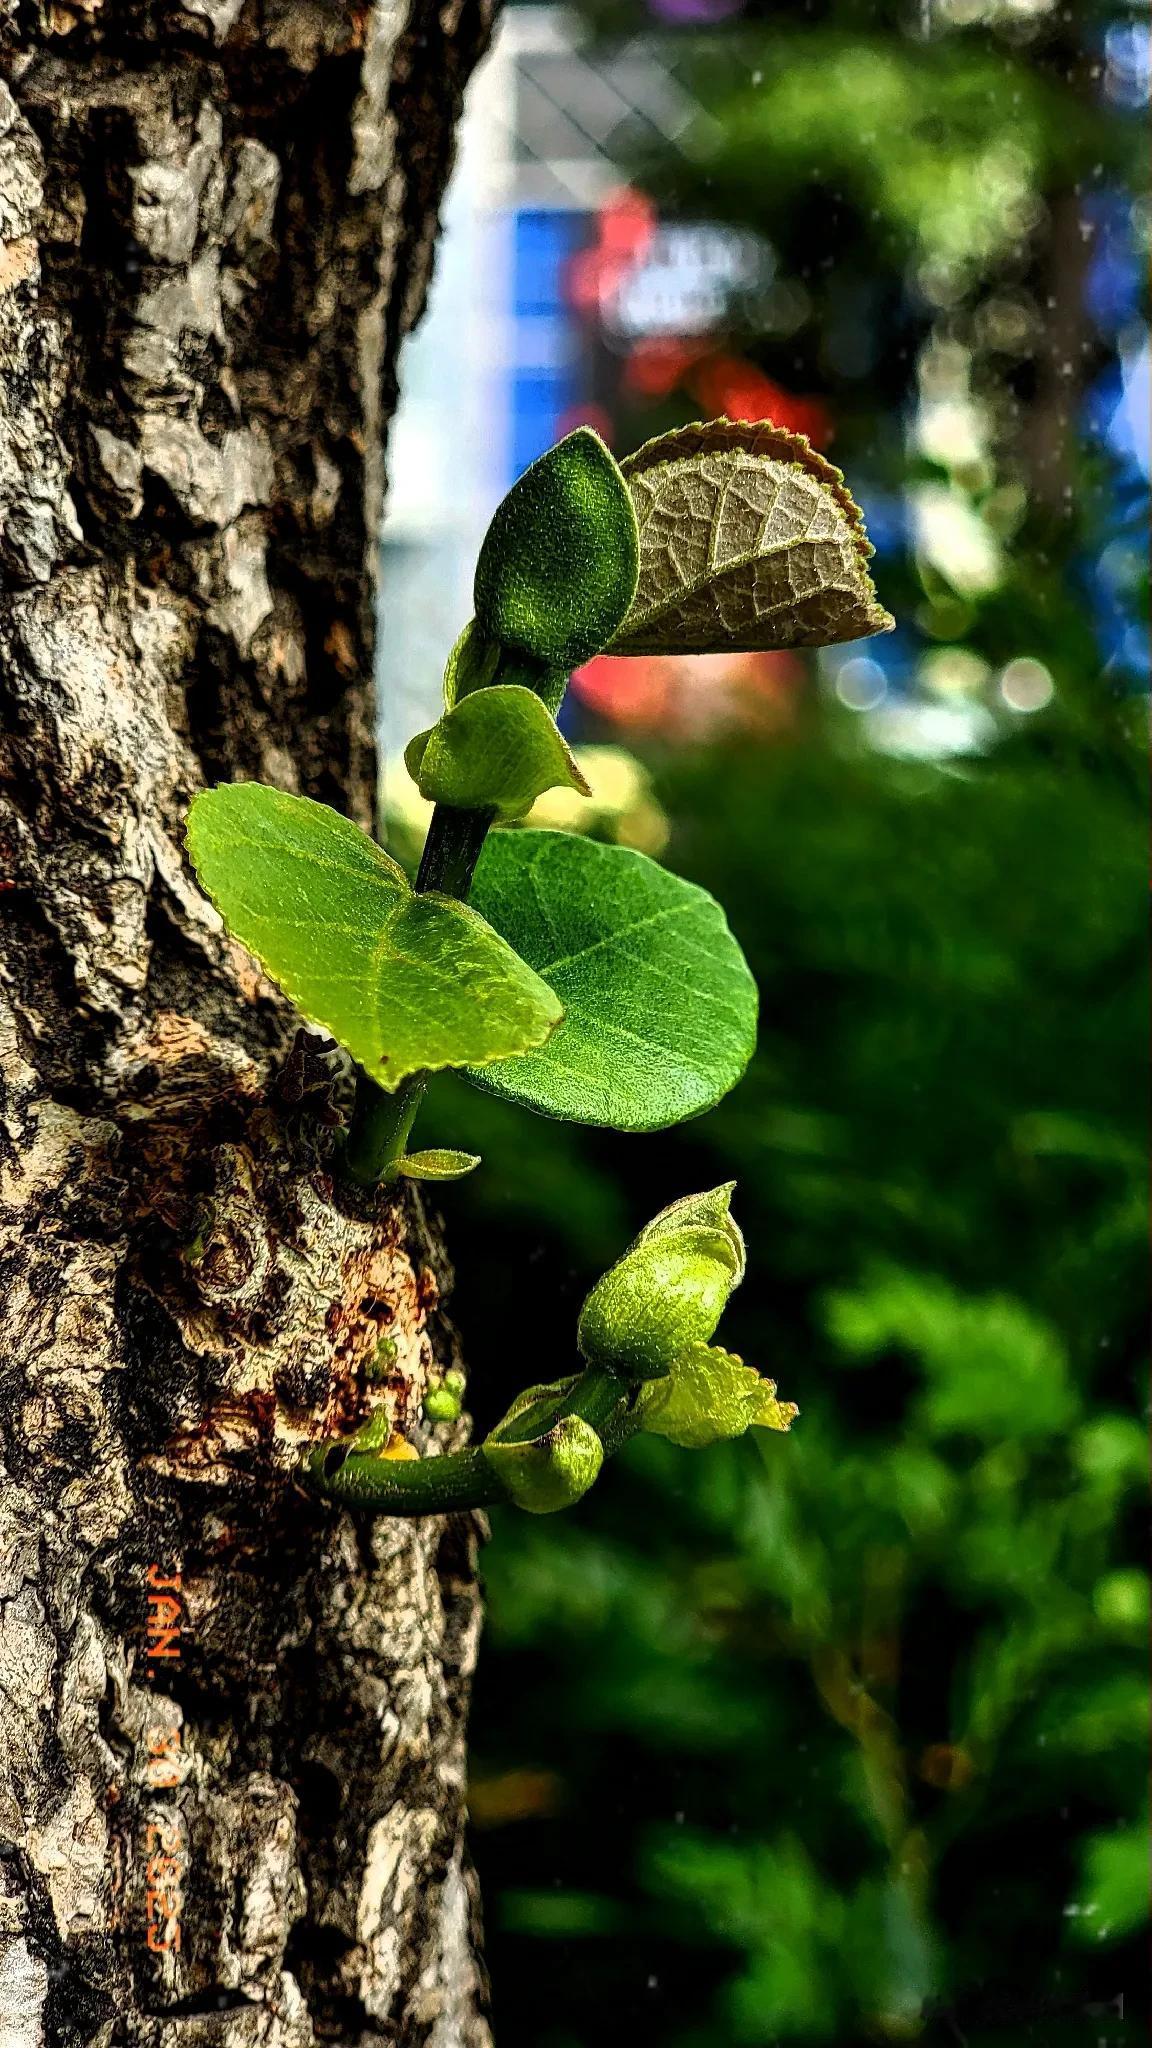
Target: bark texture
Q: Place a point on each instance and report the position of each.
(231, 1718)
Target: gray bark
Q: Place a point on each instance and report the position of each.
(216, 222)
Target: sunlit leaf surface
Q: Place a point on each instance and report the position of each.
(659, 1005)
(403, 981)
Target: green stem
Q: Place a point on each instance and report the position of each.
(452, 850)
(381, 1123)
(378, 1132)
(463, 1479)
(406, 1486)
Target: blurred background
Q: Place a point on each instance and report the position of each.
(837, 1737)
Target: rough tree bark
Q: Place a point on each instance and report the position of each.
(216, 222)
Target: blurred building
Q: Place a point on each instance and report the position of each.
(562, 297)
(558, 297)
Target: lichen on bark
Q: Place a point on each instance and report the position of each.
(216, 222)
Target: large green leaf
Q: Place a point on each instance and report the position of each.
(659, 1005)
(403, 981)
(498, 749)
(748, 539)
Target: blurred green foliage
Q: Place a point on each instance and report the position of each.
(843, 1734)
(840, 1737)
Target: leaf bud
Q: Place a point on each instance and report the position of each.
(550, 1471)
(668, 1291)
(558, 566)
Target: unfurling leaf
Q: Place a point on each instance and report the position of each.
(748, 539)
(496, 750)
(668, 1291)
(472, 665)
(476, 664)
(550, 1471)
(531, 1413)
(708, 1211)
(659, 1005)
(558, 565)
(403, 981)
(437, 1165)
(710, 1394)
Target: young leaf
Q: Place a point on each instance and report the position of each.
(476, 663)
(558, 565)
(437, 1165)
(403, 981)
(551, 1471)
(711, 1210)
(665, 1294)
(472, 665)
(710, 1394)
(659, 1005)
(497, 750)
(748, 539)
(532, 1412)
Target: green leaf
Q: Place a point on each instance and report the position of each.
(437, 1165)
(710, 1210)
(496, 750)
(476, 664)
(1112, 1900)
(710, 1394)
(660, 1008)
(532, 1412)
(558, 565)
(404, 982)
(472, 665)
(748, 539)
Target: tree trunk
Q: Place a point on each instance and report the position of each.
(231, 1717)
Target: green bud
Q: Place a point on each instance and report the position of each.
(442, 1404)
(383, 1359)
(444, 1400)
(667, 1292)
(559, 563)
(552, 1470)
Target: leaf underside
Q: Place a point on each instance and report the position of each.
(404, 982)
(659, 1004)
(748, 539)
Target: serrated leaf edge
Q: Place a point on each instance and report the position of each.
(751, 437)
